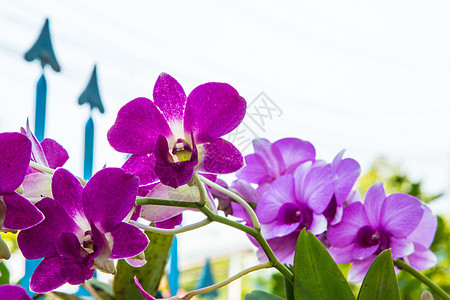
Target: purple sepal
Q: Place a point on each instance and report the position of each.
(170, 97)
(20, 213)
(55, 154)
(142, 166)
(143, 292)
(171, 222)
(128, 241)
(138, 124)
(47, 275)
(13, 292)
(39, 241)
(15, 149)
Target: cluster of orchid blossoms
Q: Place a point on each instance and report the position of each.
(177, 151)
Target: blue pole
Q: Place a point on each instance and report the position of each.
(41, 103)
(174, 274)
(88, 148)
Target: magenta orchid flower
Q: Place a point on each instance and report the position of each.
(175, 135)
(13, 292)
(399, 222)
(16, 212)
(48, 153)
(293, 202)
(83, 228)
(272, 160)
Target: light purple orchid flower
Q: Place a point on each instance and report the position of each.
(293, 202)
(13, 292)
(47, 153)
(399, 222)
(347, 171)
(16, 212)
(175, 134)
(83, 228)
(272, 160)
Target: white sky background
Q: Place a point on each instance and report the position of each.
(372, 77)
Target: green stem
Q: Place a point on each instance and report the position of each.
(165, 202)
(238, 199)
(216, 218)
(258, 237)
(226, 281)
(431, 284)
(174, 230)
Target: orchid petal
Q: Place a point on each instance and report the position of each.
(138, 124)
(169, 96)
(55, 154)
(143, 292)
(345, 232)
(347, 171)
(255, 170)
(15, 156)
(20, 213)
(361, 252)
(221, 157)
(47, 277)
(295, 151)
(422, 258)
(37, 185)
(425, 231)
(77, 263)
(173, 174)
(359, 269)
(213, 110)
(281, 191)
(400, 214)
(39, 241)
(318, 187)
(142, 166)
(13, 292)
(373, 201)
(400, 247)
(341, 255)
(128, 241)
(109, 196)
(158, 213)
(318, 225)
(67, 191)
(270, 157)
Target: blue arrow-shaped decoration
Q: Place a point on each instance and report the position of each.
(42, 50)
(90, 95)
(207, 279)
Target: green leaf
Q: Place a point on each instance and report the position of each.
(316, 275)
(261, 295)
(4, 277)
(148, 275)
(288, 288)
(380, 281)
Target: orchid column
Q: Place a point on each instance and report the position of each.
(43, 51)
